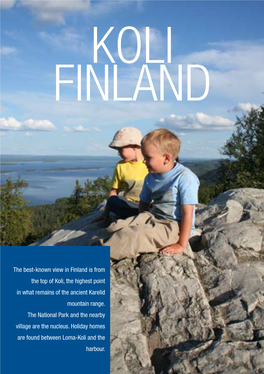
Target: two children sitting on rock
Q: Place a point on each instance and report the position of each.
(172, 191)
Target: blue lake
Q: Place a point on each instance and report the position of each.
(46, 182)
(52, 177)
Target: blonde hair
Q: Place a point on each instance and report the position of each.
(164, 140)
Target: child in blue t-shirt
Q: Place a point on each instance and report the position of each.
(172, 187)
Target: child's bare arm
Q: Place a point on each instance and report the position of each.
(143, 207)
(113, 192)
(185, 231)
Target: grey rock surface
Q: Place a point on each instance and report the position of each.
(74, 233)
(129, 346)
(176, 306)
(199, 312)
(219, 357)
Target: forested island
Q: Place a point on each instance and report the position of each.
(242, 167)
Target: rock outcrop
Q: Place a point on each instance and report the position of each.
(199, 312)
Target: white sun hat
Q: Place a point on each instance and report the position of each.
(126, 136)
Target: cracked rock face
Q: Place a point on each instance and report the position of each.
(129, 346)
(199, 312)
(229, 260)
(219, 357)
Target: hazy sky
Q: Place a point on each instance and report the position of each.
(224, 37)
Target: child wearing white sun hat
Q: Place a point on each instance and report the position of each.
(129, 174)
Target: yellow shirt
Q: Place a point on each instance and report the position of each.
(129, 176)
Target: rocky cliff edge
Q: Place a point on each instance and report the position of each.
(199, 312)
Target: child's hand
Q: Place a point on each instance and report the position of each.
(173, 249)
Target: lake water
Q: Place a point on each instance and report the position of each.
(52, 177)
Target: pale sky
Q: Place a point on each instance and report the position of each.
(224, 37)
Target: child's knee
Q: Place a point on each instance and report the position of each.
(112, 201)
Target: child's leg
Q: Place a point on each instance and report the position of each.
(105, 234)
(142, 234)
(122, 207)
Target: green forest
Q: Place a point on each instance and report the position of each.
(242, 166)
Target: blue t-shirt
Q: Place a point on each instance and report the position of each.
(169, 191)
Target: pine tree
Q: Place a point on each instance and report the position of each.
(15, 221)
(83, 200)
(245, 149)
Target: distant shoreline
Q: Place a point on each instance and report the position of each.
(50, 178)
(66, 169)
(56, 158)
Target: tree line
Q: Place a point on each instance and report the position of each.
(22, 225)
(243, 167)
